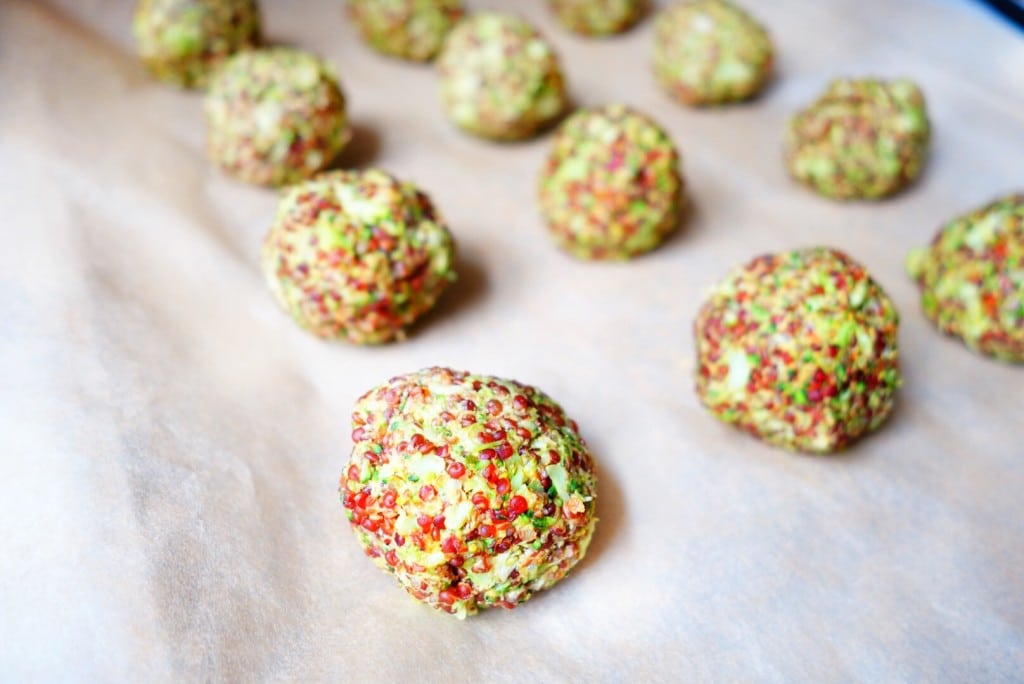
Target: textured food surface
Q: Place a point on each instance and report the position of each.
(275, 116)
(862, 139)
(709, 52)
(185, 41)
(171, 441)
(410, 29)
(799, 349)
(357, 255)
(972, 278)
(611, 187)
(473, 491)
(500, 78)
(598, 17)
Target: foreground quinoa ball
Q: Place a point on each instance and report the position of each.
(972, 278)
(862, 139)
(184, 41)
(275, 116)
(471, 490)
(357, 255)
(598, 17)
(499, 78)
(709, 52)
(409, 29)
(799, 349)
(611, 187)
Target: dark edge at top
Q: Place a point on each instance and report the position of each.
(1011, 10)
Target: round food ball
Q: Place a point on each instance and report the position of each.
(972, 278)
(275, 116)
(799, 349)
(184, 41)
(709, 52)
(471, 490)
(499, 78)
(409, 29)
(357, 255)
(598, 17)
(862, 139)
(611, 187)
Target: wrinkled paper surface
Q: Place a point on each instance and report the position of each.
(170, 442)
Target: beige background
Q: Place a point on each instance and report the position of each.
(170, 443)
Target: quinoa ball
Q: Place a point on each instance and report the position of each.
(275, 116)
(409, 29)
(611, 187)
(184, 41)
(709, 52)
(473, 491)
(972, 278)
(499, 78)
(799, 348)
(598, 17)
(862, 139)
(357, 255)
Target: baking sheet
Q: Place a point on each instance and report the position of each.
(171, 442)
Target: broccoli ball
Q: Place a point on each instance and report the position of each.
(972, 278)
(598, 17)
(499, 78)
(408, 29)
(357, 255)
(471, 490)
(799, 349)
(611, 187)
(184, 41)
(275, 116)
(709, 52)
(862, 139)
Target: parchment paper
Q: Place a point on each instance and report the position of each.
(171, 442)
